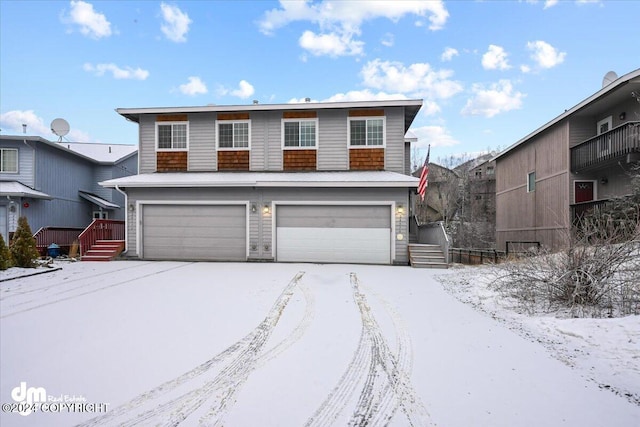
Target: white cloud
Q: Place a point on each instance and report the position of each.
(341, 20)
(91, 23)
(525, 69)
(117, 72)
(495, 99)
(12, 121)
(355, 95)
(448, 54)
(195, 87)
(437, 136)
(388, 40)
(545, 55)
(245, 90)
(331, 44)
(495, 59)
(550, 3)
(176, 23)
(418, 79)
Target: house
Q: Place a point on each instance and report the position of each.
(308, 182)
(578, 160)
(56, 184)
(441, 197)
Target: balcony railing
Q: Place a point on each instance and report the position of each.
(610, 145)
(100, 229)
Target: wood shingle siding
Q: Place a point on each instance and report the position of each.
(366, 112)
(233, 160)
(172, 118)
(366, 159)
(299, 115)
(233, 116)
(171, 161)
(299, 160)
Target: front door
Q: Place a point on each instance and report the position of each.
(584, 191)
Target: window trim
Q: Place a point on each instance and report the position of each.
(299, 120)
(17, 170)
(604, 145)
(231, 122)
(158, 124)
(366, 119)
(531, 188)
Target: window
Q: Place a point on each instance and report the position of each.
(490, 170)
(366, 132)
(172, 136)
(100, 215)
(9, 160)
(233, 134)
(531, 182)
(299, 133)
(604, 141)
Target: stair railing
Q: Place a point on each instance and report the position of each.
(100, 229)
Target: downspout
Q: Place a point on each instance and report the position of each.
(126, 219)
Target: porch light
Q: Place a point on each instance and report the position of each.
(254, 208)
(400, 210)
(266, 209)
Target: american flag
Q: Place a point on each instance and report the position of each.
(424, 176)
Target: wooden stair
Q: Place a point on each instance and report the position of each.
(104, 250)
(426, 256)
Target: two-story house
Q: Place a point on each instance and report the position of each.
(56, 184)
(309, 182)
(575, 162)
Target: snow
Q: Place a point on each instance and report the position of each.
(103, 153)
(266, 179)
(244, 344)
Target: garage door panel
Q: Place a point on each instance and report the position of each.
(194, 232)
(370, 245)
(333, 216)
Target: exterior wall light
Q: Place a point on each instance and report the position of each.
(254, 208)
(266, 209)
(400, 210)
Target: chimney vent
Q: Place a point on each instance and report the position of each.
(307, 100)
(255, 102)
(24, 128)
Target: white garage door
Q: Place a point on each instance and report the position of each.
(194, 232)
(333, 234)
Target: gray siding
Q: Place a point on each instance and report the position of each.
(333, 153)
(407, 158)
(102, 173)
(25, 173)
(202, 143)
(259, 139)
(260, 224)
(394, 153)
(274, 141)
(147, 145)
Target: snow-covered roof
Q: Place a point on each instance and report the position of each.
(103, 153)
(17, 189)
(97, 200)
(266, 179)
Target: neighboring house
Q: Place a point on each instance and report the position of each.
(441, 197)
(576, 161)
(477, 216)
(311, 182)
(56, 184)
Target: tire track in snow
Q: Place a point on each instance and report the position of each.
(383, 377)
(218, 394)
(8, 292)
(39, 303)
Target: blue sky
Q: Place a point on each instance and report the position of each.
(489, 72)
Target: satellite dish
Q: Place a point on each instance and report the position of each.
(60, 127)
(609, 78)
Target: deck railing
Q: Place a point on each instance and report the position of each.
(100, 229)
(61, 236)
(613, 144)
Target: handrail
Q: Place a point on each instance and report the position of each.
(61, 236)
(619, 141)
(100, 229)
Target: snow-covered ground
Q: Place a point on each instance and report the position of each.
(148, 343)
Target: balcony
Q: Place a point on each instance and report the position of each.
(608, 147)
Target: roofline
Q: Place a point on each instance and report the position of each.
(603, 91)
(60, 146)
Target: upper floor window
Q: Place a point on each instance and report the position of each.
(233, 134)
(299, 133)
(490, 170)
(9, 160)
(172, 136)
(531, 182)
(366, 132)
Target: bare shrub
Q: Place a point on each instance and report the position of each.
(597, 275)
